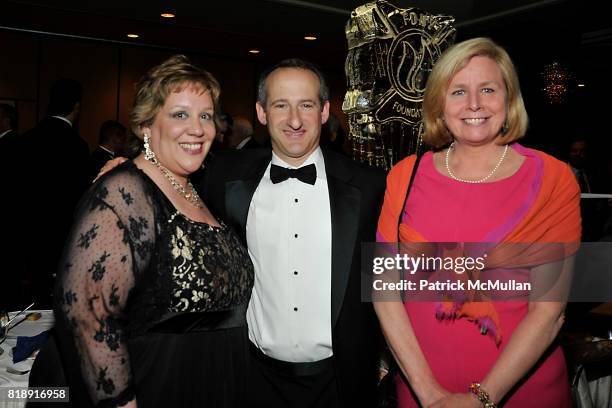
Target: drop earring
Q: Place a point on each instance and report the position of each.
(149, 155)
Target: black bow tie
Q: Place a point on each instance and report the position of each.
(306, 174)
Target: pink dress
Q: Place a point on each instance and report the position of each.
(445, 210)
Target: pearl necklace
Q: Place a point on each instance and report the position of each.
(192, 196)
(481, 180)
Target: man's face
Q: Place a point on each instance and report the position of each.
(118, 140)
(577, 153)
(222, 129)
(293, 113)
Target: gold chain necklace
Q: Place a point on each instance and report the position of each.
(191, 196)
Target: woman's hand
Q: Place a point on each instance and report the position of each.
(435, 394)
(109, 165)
(457, 401)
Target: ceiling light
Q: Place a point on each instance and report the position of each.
(133, 35)
(168, 15)
(310, 37)
(581, 85)
(254, 51)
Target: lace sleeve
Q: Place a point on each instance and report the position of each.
(110, 241)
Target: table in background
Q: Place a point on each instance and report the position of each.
(25, 328)
(588, 348)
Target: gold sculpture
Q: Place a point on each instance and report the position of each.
(391, 52)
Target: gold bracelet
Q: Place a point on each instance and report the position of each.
(482, 395)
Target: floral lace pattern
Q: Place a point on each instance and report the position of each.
(131, 259)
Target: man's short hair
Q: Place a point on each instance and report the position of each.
(262, 92)
(242, 127)
(65, 94)
(9, 111)
(108, 130)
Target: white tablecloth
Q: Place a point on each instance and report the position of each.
(593, 394)
(25, 328)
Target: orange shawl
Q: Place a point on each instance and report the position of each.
(553, 216)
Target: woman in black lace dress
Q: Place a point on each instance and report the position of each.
(153, 289)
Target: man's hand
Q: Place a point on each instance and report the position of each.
(109, 165)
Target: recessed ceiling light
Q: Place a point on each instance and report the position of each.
(133, 35)
(168, 15)
(254, 51)
(310, 37)
(581, 85)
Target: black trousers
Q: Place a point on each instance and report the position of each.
(279, 384)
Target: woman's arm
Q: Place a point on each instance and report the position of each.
(105, 248)
(389, 308)
(406, 350)
(531, 338)
(535, 333)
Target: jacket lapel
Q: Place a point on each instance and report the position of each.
(344, 201)
(238, 196)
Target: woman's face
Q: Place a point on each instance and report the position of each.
(183, 130)
(475, 102)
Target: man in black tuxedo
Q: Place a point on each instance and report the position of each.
(303, 212)
(111, 142)
(58, 152)
(11, 256)
(8, 123)
(241, 136)
(8, 137)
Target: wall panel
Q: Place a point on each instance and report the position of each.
(93, 64)
(19, 75)
(237, 80)
(135, 62)
(18, 70)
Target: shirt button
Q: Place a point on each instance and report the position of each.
(295, 309)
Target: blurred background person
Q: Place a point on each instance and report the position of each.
(332, 135)
(111, 143)
(58, 171)
(224, 128)
(578, 162)
(241, 136)
(11, 253)
(592, 177)
(153, 289)
(8, 124)
(480, 186)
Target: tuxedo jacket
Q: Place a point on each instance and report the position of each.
(98, 159)
(8, 140)
(11, 252)
(58, 172)
(355, 197)
(251, 144)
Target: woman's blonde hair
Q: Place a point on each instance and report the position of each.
(454, 59)
(172, 75)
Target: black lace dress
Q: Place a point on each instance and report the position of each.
(152, 303)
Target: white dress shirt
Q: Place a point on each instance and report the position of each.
(244, 141)
(5, 132)
(63, 118)
(107, 150)
(289, 239)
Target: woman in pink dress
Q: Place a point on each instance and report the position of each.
(480, 186)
